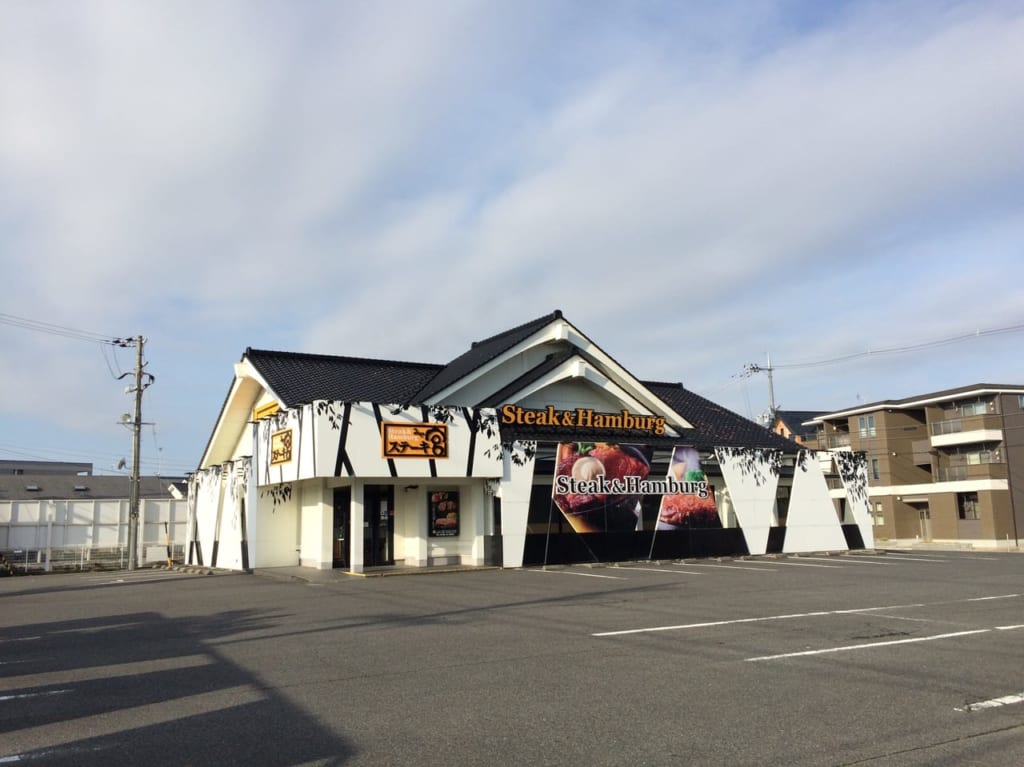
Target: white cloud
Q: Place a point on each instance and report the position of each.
(693, 187)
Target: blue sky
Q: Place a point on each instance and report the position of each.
(695, 185)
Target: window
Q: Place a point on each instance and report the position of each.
(967, 505)
(866, 426)
(976, 457)
(875, 470)
(879, 517)
(978, 407)
(1020, 401)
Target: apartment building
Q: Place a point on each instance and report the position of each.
(943, 466)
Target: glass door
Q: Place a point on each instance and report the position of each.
(379, 525)
(340, 536)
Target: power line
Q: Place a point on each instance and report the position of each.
(58, 330)
(939, 342)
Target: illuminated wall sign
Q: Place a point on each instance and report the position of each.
(281, 446)
(581, 418)
(414, 440)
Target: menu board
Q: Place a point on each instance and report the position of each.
(443, 506)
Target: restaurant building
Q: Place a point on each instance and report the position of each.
(533, 447)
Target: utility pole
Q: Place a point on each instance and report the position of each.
(133, 488)
(754, 368)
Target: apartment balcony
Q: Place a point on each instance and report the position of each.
(833, 441)
(972, 471)
(965, 431)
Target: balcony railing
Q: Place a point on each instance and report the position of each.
(993, 470)
(837, 440)
(952, 474)
(967, 423)
(952, 426)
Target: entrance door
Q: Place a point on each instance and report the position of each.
(925, 519)
(341, 526)
(379, 525)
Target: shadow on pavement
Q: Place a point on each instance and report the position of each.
(142, 689)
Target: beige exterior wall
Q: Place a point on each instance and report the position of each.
(944, 516)
(996, 517)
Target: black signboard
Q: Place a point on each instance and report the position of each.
(443, 508)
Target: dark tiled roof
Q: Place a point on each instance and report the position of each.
(300, 378)
(95, 486)
(714, 425)
(482, 352)
(794, 420)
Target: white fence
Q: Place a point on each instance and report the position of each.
(48, 534)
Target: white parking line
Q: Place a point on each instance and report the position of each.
(846, 560)
(1006, 700)
(872, 645)
(22, 695)
(656, 570)
(574, 572)
(815, 614)
(908, 557)
(737, 567)
(799, 564)
(734, 621)
(867, 646)
(124, 576)
(987, 599)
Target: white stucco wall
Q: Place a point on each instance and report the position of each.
(275, 542)
(317, 515)
(752, 482)
(812, 523)
(515, 489)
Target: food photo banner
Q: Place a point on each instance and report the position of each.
(444, 514)
(599, 486)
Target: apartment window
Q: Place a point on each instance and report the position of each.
(876, 472)
(1020, 401)
(967, 505)
(866, 425)
(879, 517)
(977, 457)
(980, 407)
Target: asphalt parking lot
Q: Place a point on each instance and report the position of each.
(893, 658)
